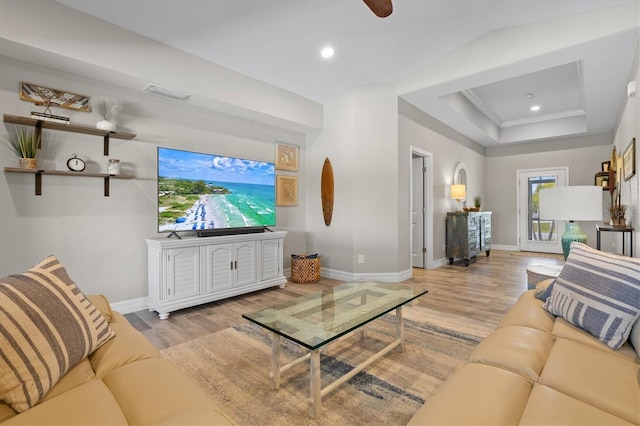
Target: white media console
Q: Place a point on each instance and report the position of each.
(191, 271)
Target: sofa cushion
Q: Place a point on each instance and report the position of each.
(595, 377)
(153, 391)
(47, 326)
(598, 292)
(547, 406)
(476, 394)
(89, 404)
(521, 350)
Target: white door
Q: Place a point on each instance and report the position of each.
(534, 234)
(417, 212)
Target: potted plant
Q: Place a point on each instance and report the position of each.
(618, 213)
(25, 143)
(477, 201)
(107, 108)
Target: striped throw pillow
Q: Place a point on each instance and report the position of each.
(47, 326)
(598, 292)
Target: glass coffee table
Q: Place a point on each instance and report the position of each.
(319, 318)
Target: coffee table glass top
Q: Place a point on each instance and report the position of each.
(316, 319)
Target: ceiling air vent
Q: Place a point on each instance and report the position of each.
(166, 93)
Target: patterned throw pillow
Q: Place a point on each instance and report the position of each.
(598, 292)
(47, 326)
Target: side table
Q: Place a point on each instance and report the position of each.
(537, 273)
(609, 228)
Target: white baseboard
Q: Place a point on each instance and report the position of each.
(131, 305)
(369, 276)
(504, 247)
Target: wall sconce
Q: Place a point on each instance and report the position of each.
(458, 192)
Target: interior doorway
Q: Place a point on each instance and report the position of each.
(421, 209)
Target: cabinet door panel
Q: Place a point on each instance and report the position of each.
(270, 259)
(246, 272)
(219, 267)
(183, 272)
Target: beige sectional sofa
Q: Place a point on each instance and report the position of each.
(123, 382)
(537, 368)
(68, 359)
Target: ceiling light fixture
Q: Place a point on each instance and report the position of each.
(535, 108)
(327, 52)
(528, 95)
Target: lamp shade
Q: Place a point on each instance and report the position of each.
(458, 191)
(571, 203)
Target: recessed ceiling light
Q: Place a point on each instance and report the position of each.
(327, 52)
(535, 108)
(528, 95)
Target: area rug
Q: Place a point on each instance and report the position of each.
(233, 367)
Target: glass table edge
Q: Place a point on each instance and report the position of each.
(325, 342)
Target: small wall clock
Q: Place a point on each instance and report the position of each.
(76, 164)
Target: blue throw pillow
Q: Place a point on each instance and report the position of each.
(598, 292)
(543, 289)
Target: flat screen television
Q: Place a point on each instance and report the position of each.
(212, 194)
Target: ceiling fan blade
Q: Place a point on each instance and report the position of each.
(381, 8)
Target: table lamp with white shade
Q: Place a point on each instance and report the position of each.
(571, 203)
(458, 192)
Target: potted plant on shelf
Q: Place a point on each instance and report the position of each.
(25, 143)
(477, 201)
(107, 108)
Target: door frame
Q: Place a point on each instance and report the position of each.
(547, 247)
(428, 203)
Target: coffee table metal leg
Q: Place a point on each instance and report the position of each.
(400, 328)
(275, 362)
(315, 392)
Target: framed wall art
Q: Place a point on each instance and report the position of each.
(287, 157)
(46, 96)
(629, 160)
(286, 190)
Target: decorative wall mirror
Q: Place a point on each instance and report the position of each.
(460, 174)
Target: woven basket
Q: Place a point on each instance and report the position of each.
(305, 271)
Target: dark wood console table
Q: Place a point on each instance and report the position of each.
(609, 228)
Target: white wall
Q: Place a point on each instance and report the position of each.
(501, 177)
(360, 139)
(416, 129)
(629, 128)
(101, 240)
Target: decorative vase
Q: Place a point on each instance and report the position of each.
(28, 163)
(619, 222)
(106, 125)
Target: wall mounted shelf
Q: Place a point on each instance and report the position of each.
(73, 128)
(38, 176)
(602, 176)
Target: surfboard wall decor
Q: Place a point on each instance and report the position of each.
(326, 191)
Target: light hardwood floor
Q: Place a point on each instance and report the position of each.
(485, 290)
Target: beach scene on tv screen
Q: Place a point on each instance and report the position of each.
(198, 191)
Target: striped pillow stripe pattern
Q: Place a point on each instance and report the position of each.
(47, 326)
(598, 292)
